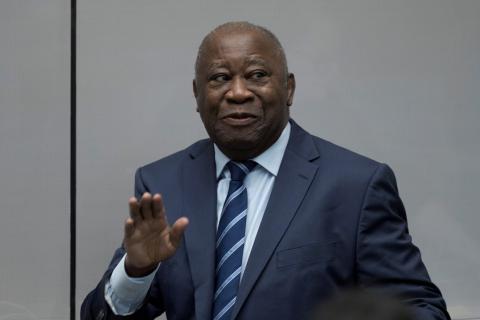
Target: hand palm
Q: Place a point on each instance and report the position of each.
(149, 239)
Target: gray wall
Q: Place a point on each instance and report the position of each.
(395, 80)
(34, 159)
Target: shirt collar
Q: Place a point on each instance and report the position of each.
(270, 159)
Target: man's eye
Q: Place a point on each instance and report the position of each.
(258, 75)
(221, 77)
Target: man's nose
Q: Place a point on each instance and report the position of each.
(238, 91)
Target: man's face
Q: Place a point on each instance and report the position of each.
(243, 94)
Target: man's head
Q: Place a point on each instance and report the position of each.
(243, 88)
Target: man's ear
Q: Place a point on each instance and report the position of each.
(290, 88)
(195, 91)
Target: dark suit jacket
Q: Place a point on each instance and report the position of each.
(334, 220)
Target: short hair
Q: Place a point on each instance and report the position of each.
(234, 26)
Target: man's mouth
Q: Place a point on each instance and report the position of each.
(239, 119)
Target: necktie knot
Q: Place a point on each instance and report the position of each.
(239, 170)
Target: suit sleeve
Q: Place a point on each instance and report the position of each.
(386, 257)
(94, 307)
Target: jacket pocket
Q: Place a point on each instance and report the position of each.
(306, 254)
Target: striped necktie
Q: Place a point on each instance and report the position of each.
(230, 241)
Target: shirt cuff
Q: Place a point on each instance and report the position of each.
(125, 294)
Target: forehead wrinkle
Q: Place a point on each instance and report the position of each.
(217, 65)
(256, 60)
(240, 27)
(247, 61)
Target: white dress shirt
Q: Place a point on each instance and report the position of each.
(125, 294)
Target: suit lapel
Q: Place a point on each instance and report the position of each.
(199, 205)
(291, 184)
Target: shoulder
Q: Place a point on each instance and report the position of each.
(350, 167)
(337, 166)
(330, 156)
(339, 156)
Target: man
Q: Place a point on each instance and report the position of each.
(268, 220)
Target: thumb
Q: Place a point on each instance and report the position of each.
(177, 230)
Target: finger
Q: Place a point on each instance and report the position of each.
(177, 231)
(129, 227)
(146, 206)
(158, 207)
(134, 209)
(159, 211)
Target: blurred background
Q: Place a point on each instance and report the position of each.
(398, 81)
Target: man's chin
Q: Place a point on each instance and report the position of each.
(238, 149)
(237, 144)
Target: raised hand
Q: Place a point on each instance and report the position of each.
(149, 239)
